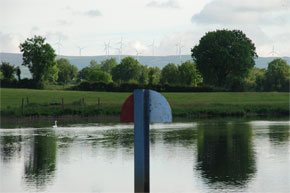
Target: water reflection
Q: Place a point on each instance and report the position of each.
(10, 146)
(41, 163)
(215, 156)
(225, 153)
(279, 135)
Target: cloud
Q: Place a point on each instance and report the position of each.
(9, 43)
(273, 12)
(93, 13)
(167, 4)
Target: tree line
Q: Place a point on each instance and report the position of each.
(223, 59)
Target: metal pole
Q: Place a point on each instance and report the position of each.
(141, 140)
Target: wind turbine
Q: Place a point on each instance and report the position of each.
(119, 53)
(107, 48)
(179, 50)
(153, 47)
(137, 54)
(59, 45)
(273, 52)
(80, 50)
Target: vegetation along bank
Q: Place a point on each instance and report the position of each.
(29, 102)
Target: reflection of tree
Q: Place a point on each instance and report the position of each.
(279, 134)
(119, 138)
(225, 153)
(40, 167)
(9, 145)
(185, 136)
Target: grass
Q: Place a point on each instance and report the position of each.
(43, 102)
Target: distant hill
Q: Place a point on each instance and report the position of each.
(83, 61)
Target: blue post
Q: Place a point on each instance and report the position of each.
(141, 140)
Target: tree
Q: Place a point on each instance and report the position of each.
(188, 74)
(154, 75)
(98, 75)
(255, 81)
(94, 65)
(108, 64)
(18, 73)
(278, 75)
(169, 74)
(223, 56)
(144, 75)
(7, 71)
(38, 56)
(67, 72)
(129, 70)
(84, 73)
(52, 75)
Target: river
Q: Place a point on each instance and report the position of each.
(201, 157)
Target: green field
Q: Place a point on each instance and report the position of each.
(183, 104)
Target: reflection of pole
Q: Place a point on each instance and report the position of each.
(141, 140)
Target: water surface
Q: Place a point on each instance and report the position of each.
(204, 156)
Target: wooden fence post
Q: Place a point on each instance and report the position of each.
(62, 104)
(22, 107)
(99, 103)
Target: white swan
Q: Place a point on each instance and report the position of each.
(55, 124)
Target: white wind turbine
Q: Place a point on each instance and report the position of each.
(273, 52)
(153, 47)
(137, 54)
(59, 45)
(80, 50)
(107, 48)
(180, 46)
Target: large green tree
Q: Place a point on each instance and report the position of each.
(108, 64)
(98, 75)
(154, 75)
(129, 70)
(38, 56)
(8, 71)
(188, 74)
(67, 72)
(278, 75)
(224, 56)
(169, 74)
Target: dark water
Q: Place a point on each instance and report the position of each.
(215, 156)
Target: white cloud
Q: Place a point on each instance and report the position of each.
(93, 13)
(166, 4)
(272, 12)
(9, 42)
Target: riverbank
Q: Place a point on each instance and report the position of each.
(59, 103)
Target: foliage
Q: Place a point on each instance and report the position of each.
(188, 74)
(255, 80)
(67, 72)
(38, 56)
(7, 71)
(154, 75)
(45, 102)
(108, 64)
(169, 74)
(84, 73)
(129, 69)
(278, 75)
(224, 56)
(52, 75)
(18, 73)
(94, 65)
(98, 75)
(144, 76)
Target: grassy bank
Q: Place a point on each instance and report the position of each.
(49, 103)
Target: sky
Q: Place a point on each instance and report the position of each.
(145, 27)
